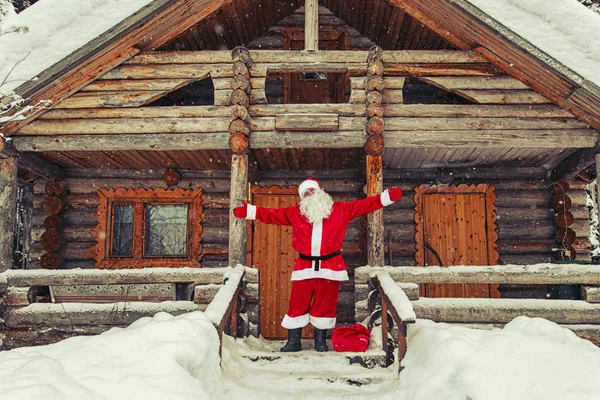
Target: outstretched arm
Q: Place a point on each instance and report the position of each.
(277, 216)
(362, 207)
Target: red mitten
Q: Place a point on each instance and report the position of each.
(395, 193)
(242, 211)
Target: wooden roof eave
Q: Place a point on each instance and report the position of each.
(527, 63)
(110, 49)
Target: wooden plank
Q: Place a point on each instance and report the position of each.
(292, 56)
(390, 82)
(389, 96)
(111, 99)
(70, 314)
(395, 110)
(591, 294)
(8, 209)
(375, 250)
(505, 310)
(237, 193)
(126, 125)
(443, 124)
(543, 274)
(150, 292)
(26, 278)
(169, 71)
(307, 122)
(475, 82)
(311, 27)
(141, 112)
(503, 96)
(136, 85)
(575, 138)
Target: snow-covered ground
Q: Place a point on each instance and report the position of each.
(176, 358)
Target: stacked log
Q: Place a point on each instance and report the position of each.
(373, 88)
(240, 101)
(52, 239)
(563, 218)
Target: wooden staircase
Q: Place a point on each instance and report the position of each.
(256, 365)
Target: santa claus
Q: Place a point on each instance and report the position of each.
(318, 229)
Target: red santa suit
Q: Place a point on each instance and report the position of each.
(320, 276)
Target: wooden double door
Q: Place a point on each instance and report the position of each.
(456, 225)
(270, 250)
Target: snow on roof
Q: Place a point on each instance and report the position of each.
(564, 29)
(54, 30)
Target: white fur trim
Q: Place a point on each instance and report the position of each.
(251, 212)
(295, 322)
(310, 273)
(322, 323)
(306, 185)
(385, 198)
(316, 239)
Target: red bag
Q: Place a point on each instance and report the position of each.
(354, 338)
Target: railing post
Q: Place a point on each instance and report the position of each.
(384, 324)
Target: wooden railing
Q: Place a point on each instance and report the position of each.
(393, 300)
(50, 305)
(223, 311)
(397, 287)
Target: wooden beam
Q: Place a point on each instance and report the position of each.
(573, 138)
(271, 110)
(238, 192)
(70, 314)
(294, 56)
(375, 248)
(8, 210)
(598, 185)
(576, 162)
(311, 25)
(505, 310)
(34, 163)
(200, 276)
(542, 274)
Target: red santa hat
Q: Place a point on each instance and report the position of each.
(307, 184)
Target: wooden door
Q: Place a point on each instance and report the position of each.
(270, 250)
(456, 226)
(315, 87)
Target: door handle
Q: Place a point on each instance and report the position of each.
(435, 253)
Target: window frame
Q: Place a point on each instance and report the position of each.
(140, 199)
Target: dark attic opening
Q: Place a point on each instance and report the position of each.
(310, 87)
(416, 91)
(198, 93)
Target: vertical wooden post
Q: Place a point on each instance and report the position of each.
(238, 192)
(598, 185)
(8, 210)
(311, 25)
(375, 240)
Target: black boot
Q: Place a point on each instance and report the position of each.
(320, 337)
(294, 342)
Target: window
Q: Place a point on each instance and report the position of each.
(148, 228)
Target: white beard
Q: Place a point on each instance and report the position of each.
(316, 207)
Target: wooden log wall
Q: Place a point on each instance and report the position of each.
(79, 215)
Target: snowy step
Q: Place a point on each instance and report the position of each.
(267, 352)
(257, 365)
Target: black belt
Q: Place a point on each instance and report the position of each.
(319, 258)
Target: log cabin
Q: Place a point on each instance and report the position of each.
(162, 124)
